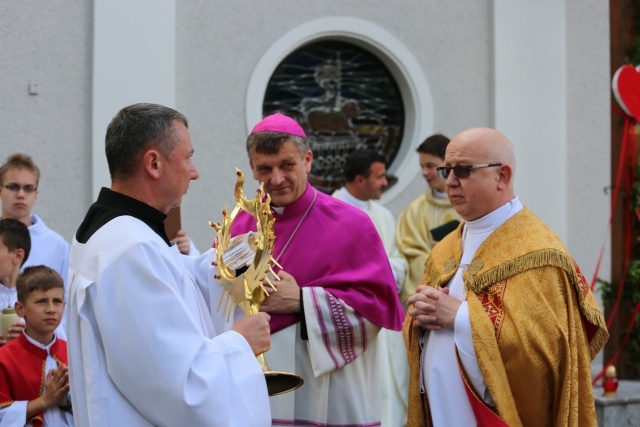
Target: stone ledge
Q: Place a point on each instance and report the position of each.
(622, 410)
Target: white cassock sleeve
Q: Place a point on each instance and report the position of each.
(193, 251)
(464, 343)
(337, 333)
(399, 267)
(397, 261)
(385, 223)
(14, 415)
(212, 291)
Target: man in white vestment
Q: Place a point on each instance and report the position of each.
(365, 174)
(145, 348)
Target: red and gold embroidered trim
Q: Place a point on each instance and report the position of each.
(492, 299)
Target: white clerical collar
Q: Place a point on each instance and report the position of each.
(47, 347)
(278, 209)
(438, 194)
(495, 219)
(363, 205)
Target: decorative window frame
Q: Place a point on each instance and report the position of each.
(396, 57)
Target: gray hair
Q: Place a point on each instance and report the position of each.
(136, 128)
(271, 142)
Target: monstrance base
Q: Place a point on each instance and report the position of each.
(282, 382)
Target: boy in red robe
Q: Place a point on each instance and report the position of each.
(34, 382)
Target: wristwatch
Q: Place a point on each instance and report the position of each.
(67, 407)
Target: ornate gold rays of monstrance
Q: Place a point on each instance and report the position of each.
(250, 254)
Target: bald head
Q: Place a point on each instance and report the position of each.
(485, 189)
(488, 142)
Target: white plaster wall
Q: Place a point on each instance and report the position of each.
(219, 44)
(133, 61)
(588, 132)
(531, 101)
(589, 138)
(49, 43)
(552, 100)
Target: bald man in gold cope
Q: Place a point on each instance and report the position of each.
(507, 322)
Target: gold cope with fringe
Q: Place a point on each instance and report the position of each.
(536, 325)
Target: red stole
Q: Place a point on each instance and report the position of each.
(485, 416)
(22, 371)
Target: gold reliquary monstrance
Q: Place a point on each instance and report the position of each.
(244, 266)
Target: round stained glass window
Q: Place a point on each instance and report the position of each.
(345, 99)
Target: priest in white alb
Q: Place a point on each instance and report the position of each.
(145, 347)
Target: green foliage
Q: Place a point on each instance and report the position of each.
(633, 347)
(607, 292)
(634, 56)
(630, 294)
(635, 193)
(631, 291)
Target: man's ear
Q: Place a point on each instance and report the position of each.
(19, 309)
(359, 180)
(505, 176)
(308, 159)
(18, 256)
(152, 161)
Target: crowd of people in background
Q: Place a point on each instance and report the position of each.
(122, 327)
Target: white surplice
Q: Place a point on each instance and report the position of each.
(143, 347)
(47, 248)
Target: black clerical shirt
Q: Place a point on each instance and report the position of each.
(110, 205)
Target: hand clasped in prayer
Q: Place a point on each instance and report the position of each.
(286, 297)
(433, 308)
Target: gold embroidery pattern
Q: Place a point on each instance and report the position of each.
(475, 266)
(450, 265)
(492, 299)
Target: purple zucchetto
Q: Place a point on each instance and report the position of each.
(279, 123)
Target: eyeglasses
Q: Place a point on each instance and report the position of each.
(28, 189)
(462, 172)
